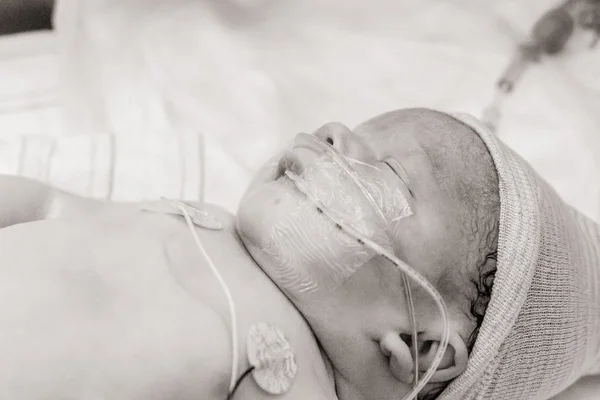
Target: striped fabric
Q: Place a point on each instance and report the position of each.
(123, 168)
(541, 331)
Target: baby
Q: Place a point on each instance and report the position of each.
(116, 301)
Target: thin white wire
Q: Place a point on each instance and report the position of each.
(439, 355)
(355, 161)
(340, 160)
(231, 303)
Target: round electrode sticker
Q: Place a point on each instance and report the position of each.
(272, 357)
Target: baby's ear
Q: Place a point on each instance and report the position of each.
(400, 355)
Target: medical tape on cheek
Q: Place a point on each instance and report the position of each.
(310, 255)
(388, 202)
(327, 256)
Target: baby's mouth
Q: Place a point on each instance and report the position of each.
(285, 164)
(294, 160)
(306, 150)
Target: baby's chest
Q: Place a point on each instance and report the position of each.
(201, 268)
(106, 315)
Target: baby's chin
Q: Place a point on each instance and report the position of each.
(263, 207)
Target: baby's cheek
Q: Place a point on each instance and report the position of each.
(311, 255)
(343, 199)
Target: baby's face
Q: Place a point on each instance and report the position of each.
(349, 295)
(320, 196)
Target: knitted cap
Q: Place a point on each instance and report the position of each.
(541, 331)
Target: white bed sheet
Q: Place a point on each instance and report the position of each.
(110, 167)
(251, 86)
(251, 78)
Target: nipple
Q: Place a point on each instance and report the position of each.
(272, 358)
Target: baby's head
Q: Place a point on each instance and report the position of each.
(419, 159)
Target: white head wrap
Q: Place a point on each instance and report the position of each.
(541, 331)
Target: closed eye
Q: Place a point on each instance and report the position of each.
(399, 171)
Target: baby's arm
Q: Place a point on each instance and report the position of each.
(26, 200)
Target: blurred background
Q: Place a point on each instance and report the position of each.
(244, 76)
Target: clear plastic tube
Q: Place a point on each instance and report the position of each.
(349, 171)
(406, 270)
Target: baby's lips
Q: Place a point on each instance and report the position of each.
(296, 160)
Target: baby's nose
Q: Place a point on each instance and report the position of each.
(335, 134)
(343, 140)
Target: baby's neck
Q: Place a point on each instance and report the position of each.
(258, 300)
